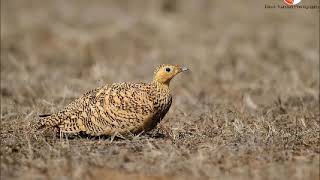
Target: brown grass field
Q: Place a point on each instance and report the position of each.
(249, 108)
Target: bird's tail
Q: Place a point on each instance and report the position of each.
(44, 115)
(47, 120)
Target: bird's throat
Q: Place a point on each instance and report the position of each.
(162, 86)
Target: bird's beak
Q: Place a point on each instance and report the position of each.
(184, 69)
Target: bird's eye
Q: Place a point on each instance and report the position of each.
(168, 69)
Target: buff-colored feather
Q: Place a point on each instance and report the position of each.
(117, 108)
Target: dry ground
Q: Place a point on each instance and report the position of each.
(249, 108)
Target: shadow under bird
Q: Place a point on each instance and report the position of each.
(117, 108)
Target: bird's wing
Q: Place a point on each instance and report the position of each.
(121, 107)
(128, 106)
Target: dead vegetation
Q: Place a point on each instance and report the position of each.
(249, 108)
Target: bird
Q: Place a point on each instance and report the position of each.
(118, 108)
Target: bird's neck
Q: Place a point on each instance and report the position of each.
(162, 87)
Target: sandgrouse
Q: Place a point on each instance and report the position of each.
(117, 108)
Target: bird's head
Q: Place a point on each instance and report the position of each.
(165, 72)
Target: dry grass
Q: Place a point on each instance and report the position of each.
(249, 109)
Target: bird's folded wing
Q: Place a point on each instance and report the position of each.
(117, 108)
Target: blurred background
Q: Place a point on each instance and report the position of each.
(242, 56)
(71, 42)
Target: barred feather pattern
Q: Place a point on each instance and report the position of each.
(117, 108)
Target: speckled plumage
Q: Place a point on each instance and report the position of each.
(117, 108)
